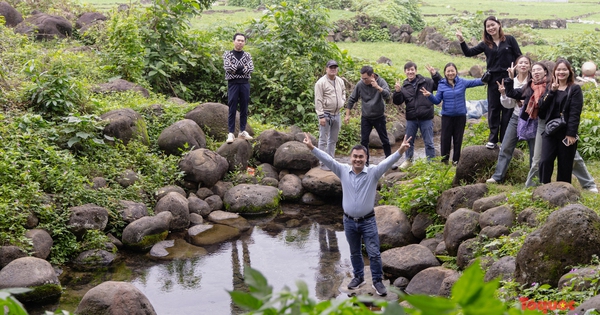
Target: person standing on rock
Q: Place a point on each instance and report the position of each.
(372, 90)
(359, 185)
(238, 67)
(419, 109)
(330, 97)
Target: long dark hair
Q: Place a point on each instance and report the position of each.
(571, 78)
(487, 38)
(530, 65)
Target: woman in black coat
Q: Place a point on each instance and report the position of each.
(500, 51)
(563, 98)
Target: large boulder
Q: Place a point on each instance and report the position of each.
(93, 259)
(12, 17)
(557, 194)
(143, 233)
(420, 224)
(466, 253)
(251, 199)
(267, 143)
(45, 26)
(115, 298)
(407, 261)
(459, 197)
(42, 242)
(570, 237)
(393, 226)
(125, 124)
(268, 170)
(32, 273)
(204, 166)
(237, 154)
(322, 183)
(429, 281)
(474, 162)
(177, 205)
(87, 217)
(120, 85)
(163, 191)
(375, 141)
(182, 136)
(294, 155)
(211, 234)
(212, 118)
(589, 304)
(291, 187)
(461, 225)
(89, 19)
(198, 206)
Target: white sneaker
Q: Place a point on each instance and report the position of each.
(230, 137)
(491, 181)
(406, 164)
(244, 135)
(592, 189)
(490, 145)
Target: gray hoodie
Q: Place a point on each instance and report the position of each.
(373, 104)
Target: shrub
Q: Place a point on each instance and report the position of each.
(124, 51)
(589, 126)
(577, 48)
(394, 12)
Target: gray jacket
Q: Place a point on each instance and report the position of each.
(373, 102)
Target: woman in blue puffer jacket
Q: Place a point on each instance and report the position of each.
(451, 91)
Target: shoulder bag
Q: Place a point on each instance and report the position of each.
(553, 126)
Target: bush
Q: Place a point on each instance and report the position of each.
(393, 12)
(577, 48)
(589, 126)
(124, 52)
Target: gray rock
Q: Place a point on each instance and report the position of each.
(407, 261)
(502, 215)
(291, 187)
(132, 210)
(322, 183)
(196, 219)
(486, 203)
(87, 217)
(420, 223)
(252, 199)
(127, 178)
(32, 273)
(490, 232)
(230, 219)
(592, 303)
(390, 179)
(214, 202)
(269, 181)
(212, 118)
(312, 199)
(178, 206)
(204, 166)
(125, 123)
(160, 249)
(570, 236)
(474, 162)
(580, 279)
(431, 243)
(440, 249)
(294, 155)
(393, 227)
(267, 169)
(267, 143)
(557, 194)
(12, 17)
(465, 253)
(204, 192)
(459, 197)
(221, 188)
(42, 242)
(32, 221)
(182, 136)
(115, 241)
(163, 191)
(429, 281)
(10, 253)
(205, 235)
(401, 283)
(461, 225)
(115, 298)
(99, 183)
(503, 268)
(45, 27)
(198, 206)
(93, 259)
(237, 154)
(143, 233)
(447, 284)
(375, 142)
(88, 19)
(528, 217)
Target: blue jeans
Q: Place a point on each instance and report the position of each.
(426, 127)
(328, 135)
(509, 143)
(367, 230)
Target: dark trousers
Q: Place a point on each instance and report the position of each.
(366, 125)
(453, 129)
(552, 148)
(238, 93)
(498, 116)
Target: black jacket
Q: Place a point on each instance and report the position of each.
(498, 58)
(572, 106)
(418, 107)
(523, 94)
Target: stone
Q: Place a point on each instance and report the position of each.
(420, 223)
(176, 249)
(393, 227)
(580, 279)
(143, 233)
(294, 155)
(407, 261)
(182, 136)
(45, 27)
(474, 161)
(429, 281)
(269, 181)
(267, 143)
(447, 284)
(465, 253)
(486, 203)
(32, 273)
(214, 202)
(204, 166)
(312, 199)
(115, 298)
(132, 210)
(120, 85)
(291, 187)
(401, 283)
(12, 17)
(93, 259)
(460, 226)
(213, 117)
(10, 253)
(252, 199)
(87, 217)
(196, 219)
(504, 269)
(375, 142)
(589, 304)
(177, 205)
(221, 187)
(229, 219)
(268, 170)
(163, 191)
(528, 217)
(459, 197)
(476, 71)
(440, 249)
(211, 234)
(99, 183)
(502, 215)
(42, 242)
(127, 178)
(495, 231)
(322, 183)
(430, 243)
(204, 192)
(237, 154)
(198, 206)
(89, 19)
(557, 194)
(126, 125)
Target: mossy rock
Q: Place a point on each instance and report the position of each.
(252, 199)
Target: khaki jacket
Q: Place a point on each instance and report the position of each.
(329, 97)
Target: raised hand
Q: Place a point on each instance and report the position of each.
(501, 88)
(555, 84)
(308, 142)
(398, 86)
(459, 35)
(511, 71)
(431, 69)
(405, 145)
(425, 92)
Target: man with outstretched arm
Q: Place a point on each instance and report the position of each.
(359, 185)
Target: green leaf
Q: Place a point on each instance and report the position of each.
(257, 282)
(245, 300)
(72, 141)
(431, 305)
(468, 285)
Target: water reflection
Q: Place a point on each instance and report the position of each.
(311, 253)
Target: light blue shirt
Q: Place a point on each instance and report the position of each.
(358, 190)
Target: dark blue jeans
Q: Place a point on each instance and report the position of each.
(366, 125)
(367, 231)
(426, 127)
(238, 93)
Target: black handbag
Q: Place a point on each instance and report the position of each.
(485, 78)
(553, 126)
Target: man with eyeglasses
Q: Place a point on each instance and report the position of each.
(330, 97)
(372, 90)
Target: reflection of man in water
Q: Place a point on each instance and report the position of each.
(359, 184)
(328, 279)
